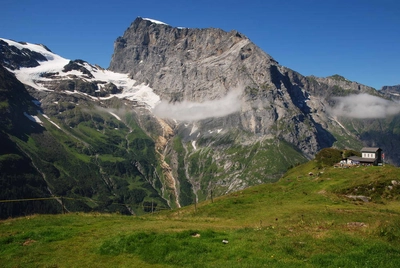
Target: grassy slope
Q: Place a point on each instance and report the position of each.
(76, 161)
(301, 221)
(222, 162)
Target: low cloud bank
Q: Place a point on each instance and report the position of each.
(194, 111)
(363, 106)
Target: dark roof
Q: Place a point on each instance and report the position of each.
(361, 159)
(355, 158)
(370, 149)
(367, 160)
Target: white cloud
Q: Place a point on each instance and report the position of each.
(193, 111)
(364, 106)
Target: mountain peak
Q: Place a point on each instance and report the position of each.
(155, 21)
(165, 56)
(146, 22)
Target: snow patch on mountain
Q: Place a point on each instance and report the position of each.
(116, 116)
(194, 145)
(34, 77)
(33, 118)
(155, 21)
(48, 118)
(140, 93)
(29, 76)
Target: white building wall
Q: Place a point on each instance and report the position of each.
(368, 155)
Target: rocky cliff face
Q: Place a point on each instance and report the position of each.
(205, 64)
(391, 92)
(187, 64)
(339, 82)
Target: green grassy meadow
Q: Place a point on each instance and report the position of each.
(305, 219)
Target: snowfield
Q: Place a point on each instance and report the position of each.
(142, 94)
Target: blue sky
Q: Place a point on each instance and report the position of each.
(359, 39)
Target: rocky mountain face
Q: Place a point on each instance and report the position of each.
(201, 112)
(392, 92)
(183, 64)
(339, 82)
(204, 64)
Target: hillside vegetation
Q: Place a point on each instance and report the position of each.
(311, 217)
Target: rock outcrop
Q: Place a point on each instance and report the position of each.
(392, 92)
(14, 58)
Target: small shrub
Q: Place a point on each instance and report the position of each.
(328, 157)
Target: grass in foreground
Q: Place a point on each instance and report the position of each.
(301, 221)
